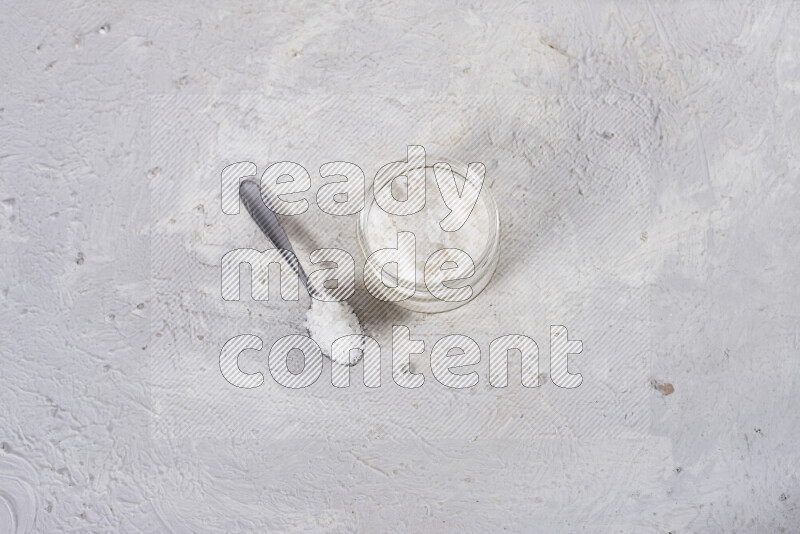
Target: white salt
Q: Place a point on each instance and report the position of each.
(472, 237)
(327, 322)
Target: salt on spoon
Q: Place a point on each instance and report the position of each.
(327, 321)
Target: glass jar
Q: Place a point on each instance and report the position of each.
(422, 300)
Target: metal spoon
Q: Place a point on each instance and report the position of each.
(267, 221)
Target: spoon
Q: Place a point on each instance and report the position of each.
(267, 221)
(327, 321)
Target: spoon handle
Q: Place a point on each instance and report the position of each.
(267, 221)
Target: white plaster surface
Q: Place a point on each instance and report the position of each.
(714, 446)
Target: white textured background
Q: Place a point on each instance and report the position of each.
(721, 454)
